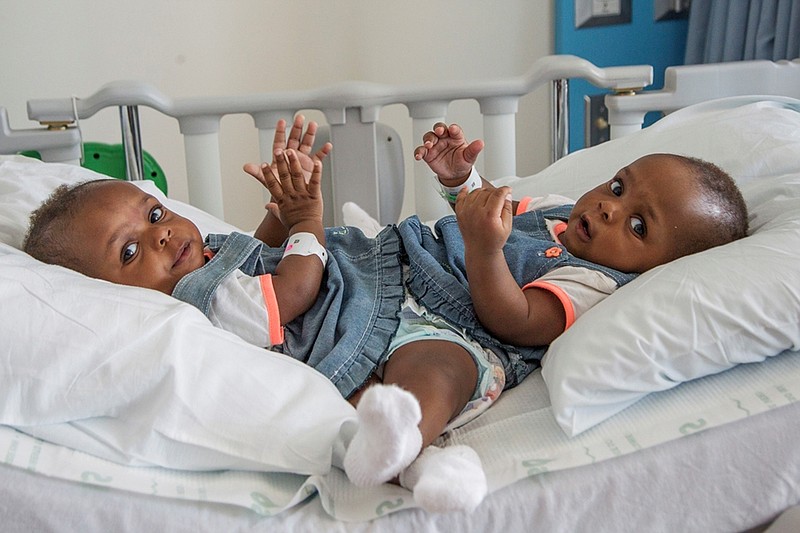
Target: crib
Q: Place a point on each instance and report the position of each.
(626, 427)
(372, 174)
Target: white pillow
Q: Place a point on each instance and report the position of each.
(25, 183)
(136, 377)
(704, 313)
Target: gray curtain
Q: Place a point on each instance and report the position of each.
(734, 30)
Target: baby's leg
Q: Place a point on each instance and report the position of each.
(426, 383)
(442, 377)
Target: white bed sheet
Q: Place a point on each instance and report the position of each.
(727, 478)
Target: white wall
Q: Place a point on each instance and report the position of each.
(59, 48)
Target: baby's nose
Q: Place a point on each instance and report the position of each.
(165, 236)
(608, 209)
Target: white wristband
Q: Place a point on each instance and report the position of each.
(473, 182)
(305, 243)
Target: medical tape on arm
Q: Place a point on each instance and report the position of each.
(305, 243)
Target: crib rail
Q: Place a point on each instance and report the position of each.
(691, 84)
(56, 142)
(352, 109)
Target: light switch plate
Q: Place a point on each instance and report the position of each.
(589, 13)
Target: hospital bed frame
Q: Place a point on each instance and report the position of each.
(366, 176)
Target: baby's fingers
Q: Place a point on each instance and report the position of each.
(256, 171)
(296, 132)
(498, 200)
(298, 179)
(272, 182)
(308, 138)
(290, 171)
(279, 140)
(314, 183)
(323, 152)
(492, 202)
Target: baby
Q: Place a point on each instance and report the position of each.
(657, 209)
(421, 330)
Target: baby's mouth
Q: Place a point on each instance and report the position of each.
(584, 227)
(182, 254)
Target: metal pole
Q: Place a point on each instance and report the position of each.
(131, 142)
(560, 119)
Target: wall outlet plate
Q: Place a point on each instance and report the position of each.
(589, 13)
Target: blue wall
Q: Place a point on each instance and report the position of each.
(642, 41)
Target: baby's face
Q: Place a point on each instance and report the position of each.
(632, 222)
(126, 236)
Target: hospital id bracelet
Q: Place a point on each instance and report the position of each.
(473, 182)
(305, 243)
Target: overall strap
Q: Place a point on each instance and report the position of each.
(533, 221)
(560, 212)
(198, 287)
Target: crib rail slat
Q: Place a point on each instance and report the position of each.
(203, 165)
(351, 109)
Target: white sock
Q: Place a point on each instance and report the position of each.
(446, 479)
(387, 439)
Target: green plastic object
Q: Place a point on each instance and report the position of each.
(109, 159)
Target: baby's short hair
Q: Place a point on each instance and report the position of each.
(48, 237)
(727, 218)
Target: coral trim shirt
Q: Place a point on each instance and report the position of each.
(247, 306)
(577, 288)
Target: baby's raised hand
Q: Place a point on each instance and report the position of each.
(301, 142)
(447, 153)
(296, 199)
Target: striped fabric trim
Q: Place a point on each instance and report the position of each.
(522, 206)
(558, 229)
(569, 309)
(273, 313)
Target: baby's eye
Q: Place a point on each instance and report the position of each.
(638, 227)
(616, 187)
(156, 214)
(129, 252)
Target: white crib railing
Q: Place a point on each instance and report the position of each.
(351, 110)
(690, 84)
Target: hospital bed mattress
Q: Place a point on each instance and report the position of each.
(715, 480)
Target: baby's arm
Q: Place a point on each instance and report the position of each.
(448, 154)
(271, 231)
(297, 278)
(533, 317)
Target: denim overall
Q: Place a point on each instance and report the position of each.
(345, 335)
(437, 276)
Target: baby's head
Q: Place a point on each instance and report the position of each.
(112, 230)
(658, 208)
